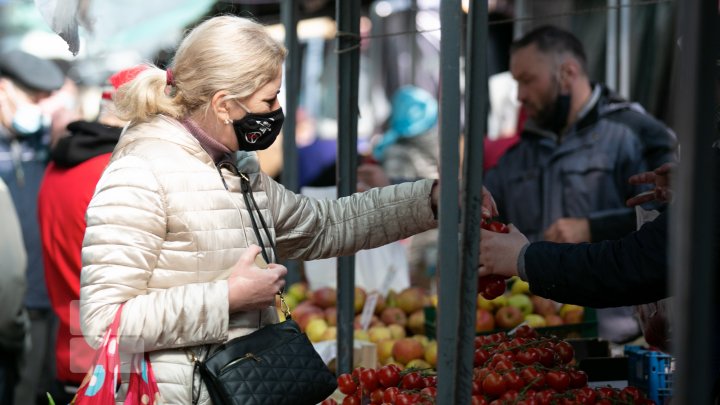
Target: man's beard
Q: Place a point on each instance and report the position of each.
(553, 115)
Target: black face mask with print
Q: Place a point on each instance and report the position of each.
(258, 131)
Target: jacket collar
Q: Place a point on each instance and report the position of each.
(602, 102)
(167, 129)
(171, 130)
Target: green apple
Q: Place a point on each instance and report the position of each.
(520, 287)
(500, 301)
(535, 321)
(521, 302)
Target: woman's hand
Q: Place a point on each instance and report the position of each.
(499, 252)
(660, 177)
(489, 209)
(252, 287)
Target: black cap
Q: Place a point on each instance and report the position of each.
(30, 71)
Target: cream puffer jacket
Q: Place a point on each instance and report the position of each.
(163, 230)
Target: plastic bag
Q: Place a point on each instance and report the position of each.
(99, 385)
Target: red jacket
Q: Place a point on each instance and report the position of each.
(63, 199)
(65, 192)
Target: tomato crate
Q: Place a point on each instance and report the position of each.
(588, 328)
(651, 371)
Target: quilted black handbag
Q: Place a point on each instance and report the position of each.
(276, 364)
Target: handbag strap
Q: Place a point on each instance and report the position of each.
(249, 198)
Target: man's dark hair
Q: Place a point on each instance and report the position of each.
(550, 39)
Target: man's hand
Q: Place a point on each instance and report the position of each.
(499, 252)
(489, 208)
(370, 175)
(569, 230)
(659, 177)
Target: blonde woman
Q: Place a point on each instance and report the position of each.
(169, 232)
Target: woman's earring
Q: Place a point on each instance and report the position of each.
(228, 121)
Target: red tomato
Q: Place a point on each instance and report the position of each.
(376, 397)
(578, 378)
(412, 381)
(513, 381)
(533, 377)
(346, 384)
(480, 357)
(491, 286)
(428, 392)
(547, 357)
(630, 394)
(390, 394)
(564, 351)
(351, 400)
(328, 401)
(430, 381)
(495, 226)
(388, 376)
(528, 357)
(525, 331)
(404, 399)
(478, 400)
(510, 396)
(558, 380)
(368, 380)
(493, 385)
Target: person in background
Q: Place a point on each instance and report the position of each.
(76, 163)
(26, 80)
(174, 227)
(14, 323)
(566, 180)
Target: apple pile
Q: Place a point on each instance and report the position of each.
(518, 305)
(521, 369)
(395, 317)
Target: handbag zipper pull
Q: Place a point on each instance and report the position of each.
(252, 356)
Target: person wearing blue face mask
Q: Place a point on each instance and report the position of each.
(26, 80)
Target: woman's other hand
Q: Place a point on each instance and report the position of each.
(252, 287)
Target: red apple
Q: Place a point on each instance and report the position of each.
(484, 320)
(331, 316)
(325, 297)
(407, 349)
(508, 317)
(394, 315)
(543, 306)
(416, 322)
(553, 320)
(573, 316)
(411, 299)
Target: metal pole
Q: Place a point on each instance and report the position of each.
(289, 175)
(476, 96)
(521, 10)
(448, 316)
(693, 253)
(611, 56)
(348, 53)
(624, 85)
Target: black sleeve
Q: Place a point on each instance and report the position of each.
(609, 227)
(629, 271)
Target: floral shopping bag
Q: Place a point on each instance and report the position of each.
(101, 381)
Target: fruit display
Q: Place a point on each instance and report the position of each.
(523, 368)
(396, 316)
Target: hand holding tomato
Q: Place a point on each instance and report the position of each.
(499, 251)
